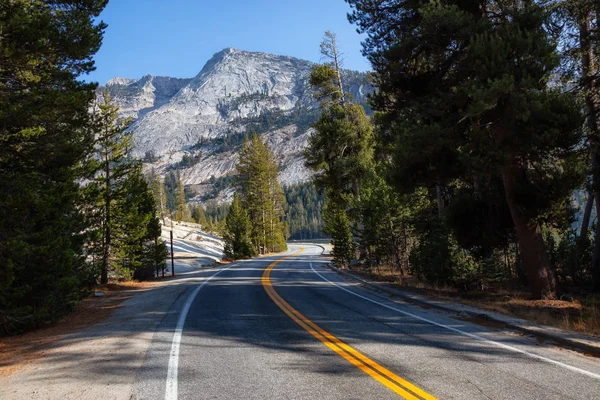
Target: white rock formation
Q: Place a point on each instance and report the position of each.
(231, 95)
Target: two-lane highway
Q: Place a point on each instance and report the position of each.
(287, 327)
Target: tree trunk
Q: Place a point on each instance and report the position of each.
(440, 203)
(585, 224)
(264, 222)
(588, 70)
(535, 257)
(107, 230)
(395, 244)
(596, 251)
(272, 234)
(338, 73)
(156, 256)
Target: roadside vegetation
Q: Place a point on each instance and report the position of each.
(485, 132)
(478, 173)
(303, 214)
(75, 209)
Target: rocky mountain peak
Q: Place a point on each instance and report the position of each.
(235, 93)
(119, 81)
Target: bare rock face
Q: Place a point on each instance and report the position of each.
(236, 93)
(138, 97)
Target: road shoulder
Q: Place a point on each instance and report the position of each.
(101, 361)
(572, 340)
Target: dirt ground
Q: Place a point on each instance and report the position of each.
(16, 351)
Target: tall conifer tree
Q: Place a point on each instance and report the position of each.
(112, 166)
(45, 47)
(341, 150)
(580, 22)
(181, 208)
(261, 195)
(198, 215)
(237, 232)
(160, 197)
(466, 95)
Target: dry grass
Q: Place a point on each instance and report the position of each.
(580, 313)
(16, 351)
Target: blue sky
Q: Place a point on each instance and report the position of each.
(176, 37)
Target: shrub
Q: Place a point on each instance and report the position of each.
(438, 259)
(571, 257)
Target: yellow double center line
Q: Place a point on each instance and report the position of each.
(387, 378)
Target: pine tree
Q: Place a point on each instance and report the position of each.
(160, 197)
(181, 208)
(342, 147)
(386, 229)
(237, 232)
(122, 207)
(277, 227)
(199, 216)
(580, 22)
(465, 95)
(261, 195)
(139, 249)
(341, 150)
(44, 47)
(133, 212)
(111, 167)
(155, 252)
(336, 223)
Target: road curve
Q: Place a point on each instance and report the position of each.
(287, 327)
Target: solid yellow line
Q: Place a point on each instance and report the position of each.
(365, 364)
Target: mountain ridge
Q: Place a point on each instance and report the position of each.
(236, 92)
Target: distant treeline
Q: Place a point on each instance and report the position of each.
(302, 209)
(303, 215)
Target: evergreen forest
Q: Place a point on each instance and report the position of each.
(75, 208)
(461, 171)
(485, 128)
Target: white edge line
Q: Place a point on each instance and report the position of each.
(171, 389)
(471, 335)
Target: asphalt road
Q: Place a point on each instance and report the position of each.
(290, 328)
